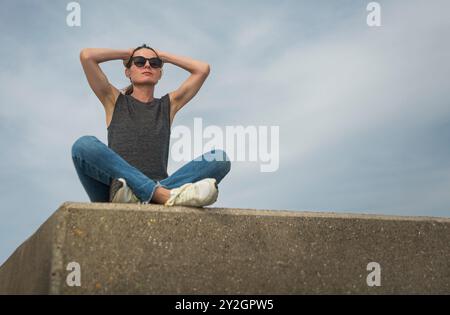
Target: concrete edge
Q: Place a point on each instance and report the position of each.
(38, 244)
(71, 205)
(59, 236)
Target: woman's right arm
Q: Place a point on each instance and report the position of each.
(90, 59)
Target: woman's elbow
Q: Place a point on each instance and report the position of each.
(206, 69)
(84, 54)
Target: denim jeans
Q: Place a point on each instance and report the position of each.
(97, 164)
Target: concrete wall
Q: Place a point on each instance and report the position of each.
(154, 249)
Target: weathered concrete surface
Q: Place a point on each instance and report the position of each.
(155, 249)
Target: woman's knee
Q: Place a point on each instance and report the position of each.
(221, 161)
(83, 144)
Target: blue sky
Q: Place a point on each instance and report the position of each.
(363, 112)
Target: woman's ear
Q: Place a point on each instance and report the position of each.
(127, 73)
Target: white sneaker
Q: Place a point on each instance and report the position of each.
(198, 194)
(121, 193)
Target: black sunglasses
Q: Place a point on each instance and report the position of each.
(140, 61)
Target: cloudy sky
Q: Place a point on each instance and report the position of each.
(363, 112)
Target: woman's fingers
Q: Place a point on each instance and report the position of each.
(130, 53)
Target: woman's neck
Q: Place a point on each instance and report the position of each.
(143, 94)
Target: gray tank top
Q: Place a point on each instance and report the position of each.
(140, 133)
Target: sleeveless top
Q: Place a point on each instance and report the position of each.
(140, 133)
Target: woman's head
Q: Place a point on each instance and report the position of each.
(143, 68)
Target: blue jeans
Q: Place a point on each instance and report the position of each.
(97, 164)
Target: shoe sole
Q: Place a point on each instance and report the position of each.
(212, 197)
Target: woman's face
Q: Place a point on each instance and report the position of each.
(145, 75)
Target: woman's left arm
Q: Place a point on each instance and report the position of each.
(188, 89)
